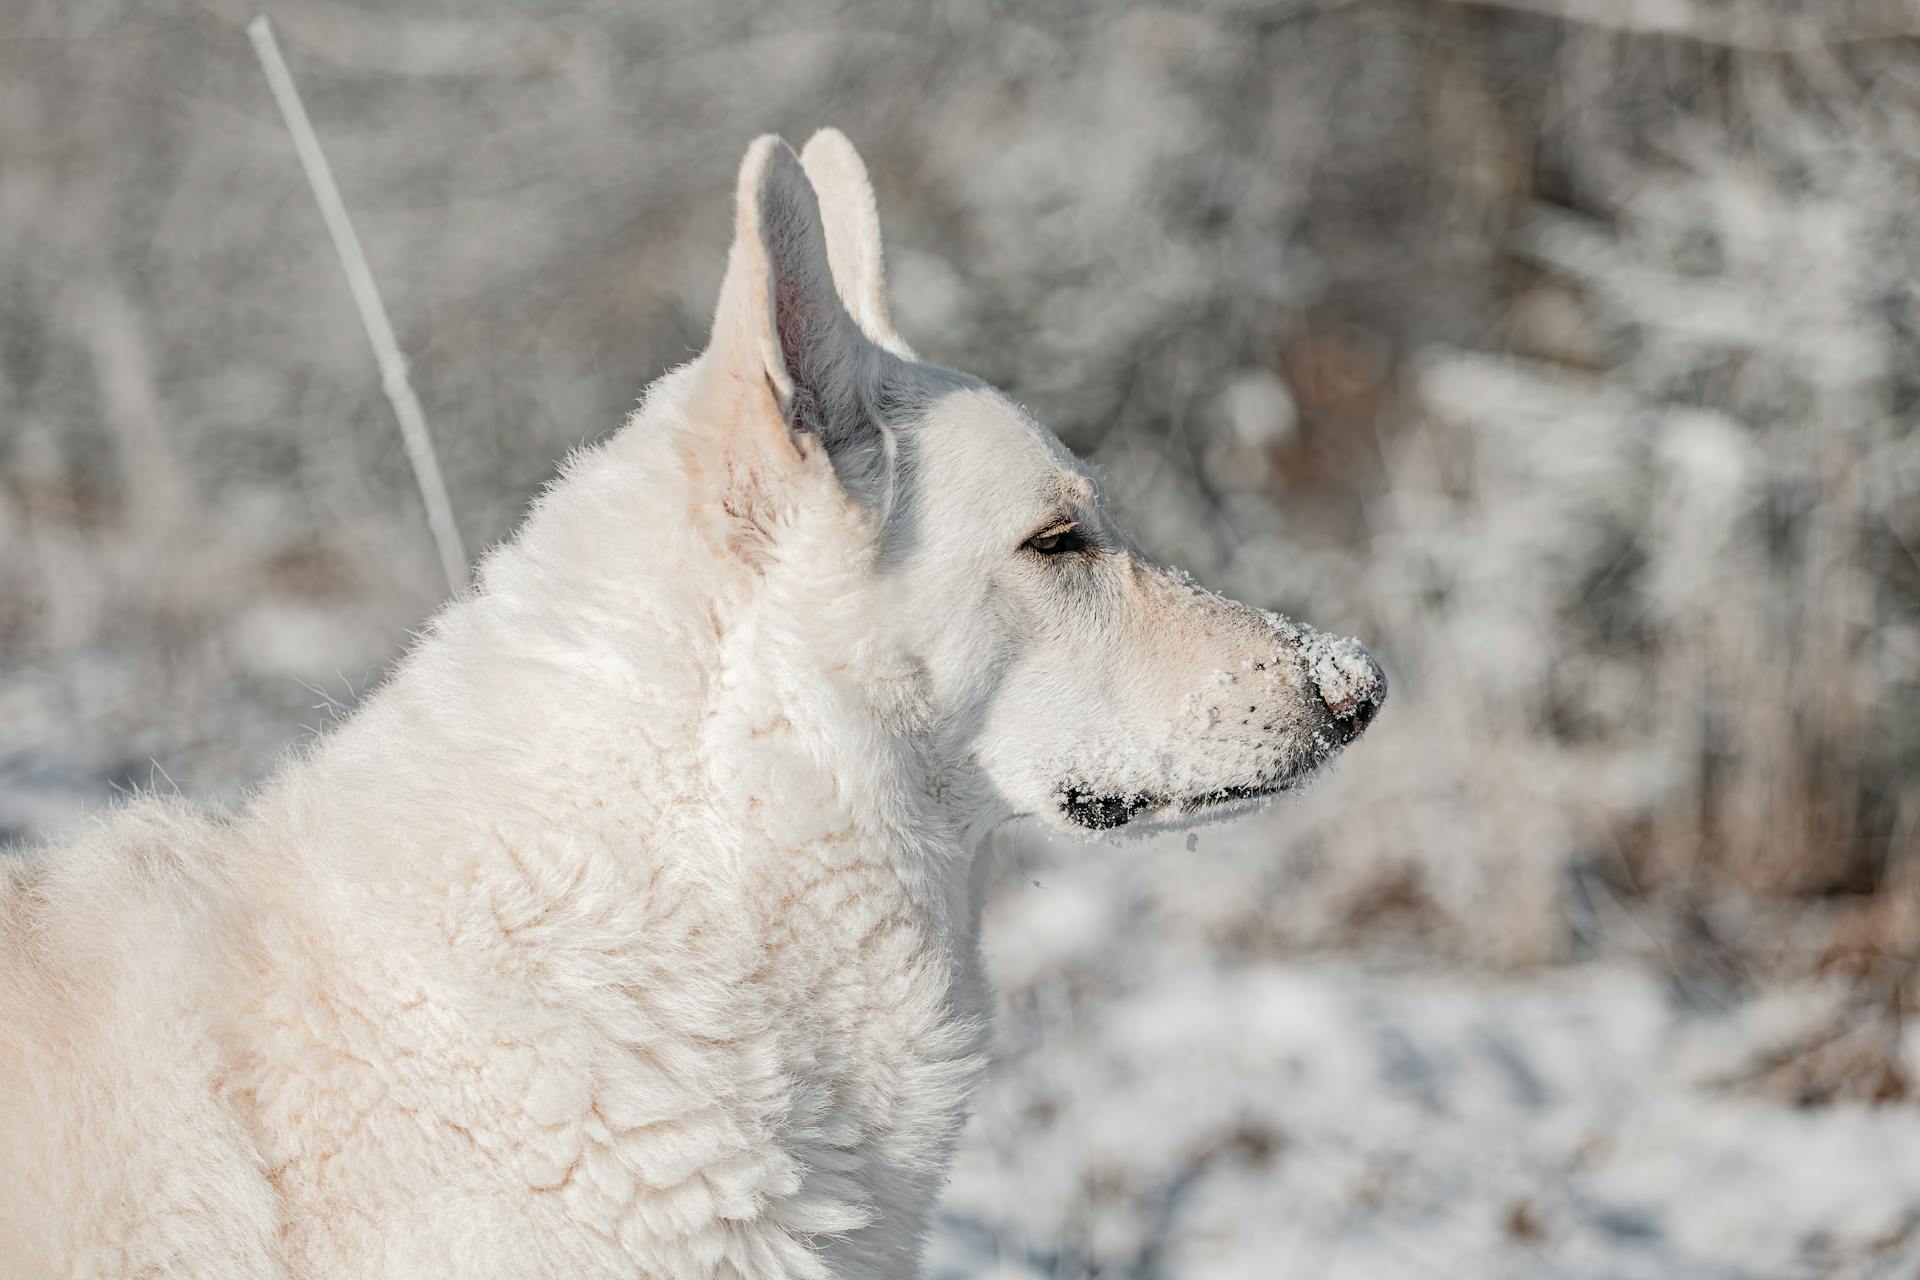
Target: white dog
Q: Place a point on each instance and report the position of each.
(630, 929)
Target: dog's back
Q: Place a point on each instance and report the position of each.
(121, 1158)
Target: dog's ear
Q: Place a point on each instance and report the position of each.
(852, 222)
(786, 363)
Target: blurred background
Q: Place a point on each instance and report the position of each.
(1563, 350)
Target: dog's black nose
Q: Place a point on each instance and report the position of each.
(1351, 684)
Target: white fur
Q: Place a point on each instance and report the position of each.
(630, 928)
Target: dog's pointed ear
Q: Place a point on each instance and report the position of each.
(784, 351)
(852, 223)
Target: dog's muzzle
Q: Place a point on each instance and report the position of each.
(1350, 687)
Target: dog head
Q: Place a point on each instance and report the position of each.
(1060, 672)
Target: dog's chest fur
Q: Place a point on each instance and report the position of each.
(620, 1012)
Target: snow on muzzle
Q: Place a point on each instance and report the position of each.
(1246, 734)
(1350, 683)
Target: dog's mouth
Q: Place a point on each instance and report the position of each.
(1350, 706)
(1094, 809)
(1106, 811)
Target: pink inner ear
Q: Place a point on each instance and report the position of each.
(792, 327)
(797, 321)
(788, 322)
(801, 288)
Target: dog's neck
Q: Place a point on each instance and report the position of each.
(630, 684)
(622, 811)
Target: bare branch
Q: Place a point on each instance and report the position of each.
(373, 312)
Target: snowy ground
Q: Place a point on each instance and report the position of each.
(1174, 1101)
(1165, 1108)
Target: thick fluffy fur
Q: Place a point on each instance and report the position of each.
(630, 928)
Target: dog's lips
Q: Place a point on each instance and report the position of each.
(1234, 797)
(1108, 811)
(1095, 809)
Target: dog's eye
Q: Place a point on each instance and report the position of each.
(1056, 540)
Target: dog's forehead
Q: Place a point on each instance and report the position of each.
(991, 447)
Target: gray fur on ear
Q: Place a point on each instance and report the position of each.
(834, 370)
(781, 323)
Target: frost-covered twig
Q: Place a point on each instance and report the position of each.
(366, 296)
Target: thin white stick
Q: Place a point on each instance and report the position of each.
(366, 295)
